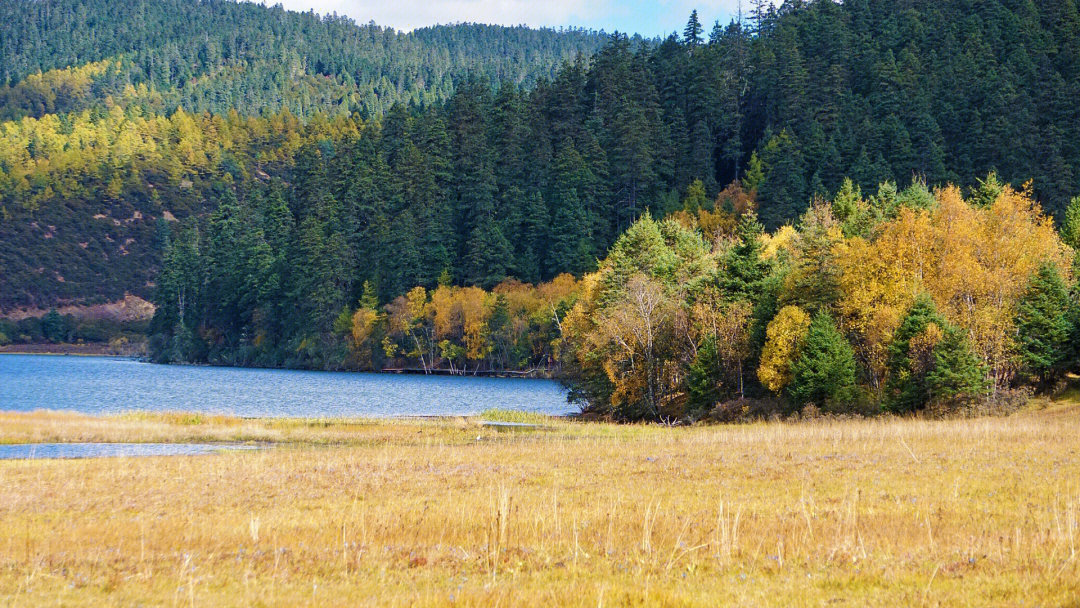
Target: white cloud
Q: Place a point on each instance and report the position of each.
(410, 14)
(644, 17)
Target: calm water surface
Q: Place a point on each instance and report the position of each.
(104, 385)
(23, 451)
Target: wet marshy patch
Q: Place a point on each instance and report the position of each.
(33, 451)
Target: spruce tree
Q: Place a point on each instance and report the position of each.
(755, 173)
(1070, 225)
(703, 379)
(695, 199)
(783, 192)
(1070, 231)
(692, 32)
(957, 373)
(745, 268)
(906, 389)
(987, 190)
(1042, 324)
(489, 255)
(824, 373)
(930, 361)
(568, 249)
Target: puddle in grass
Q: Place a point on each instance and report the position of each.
(104, 450)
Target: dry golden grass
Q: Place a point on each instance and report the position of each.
(174, 427)
(853, 513)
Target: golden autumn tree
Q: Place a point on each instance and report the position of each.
(638, 332)
(364, 325)
(784, 336)
(974, 261)
(624, 343)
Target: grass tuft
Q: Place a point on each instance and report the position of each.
(500, 415)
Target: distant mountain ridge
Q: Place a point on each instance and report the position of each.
(221, 55)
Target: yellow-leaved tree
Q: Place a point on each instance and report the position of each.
(784, 335)
(974, 261)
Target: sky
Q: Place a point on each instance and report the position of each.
(657, 18)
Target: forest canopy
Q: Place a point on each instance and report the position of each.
(537, 147)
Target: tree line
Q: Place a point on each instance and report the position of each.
(904, 300)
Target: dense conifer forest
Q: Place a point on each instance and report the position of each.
(303, 191)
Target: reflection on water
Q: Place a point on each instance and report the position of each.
(103, 385)
(97, 450)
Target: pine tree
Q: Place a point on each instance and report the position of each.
(930, 361)
(534, 239)
(703, 379)
(692, 32)
(54, 328)
(850, 210)
(824, 373)
(569, 248)
(1070, 225)
(783, 192)
(745, 269)
(987, 190)
(177, 299)
(755, 173)
(762, 14)
(489, 255)
(370, 297)
(695, 198)
(957, 373)
(910, 360)
(1042, 324)
(1070, 231)
(224, 291)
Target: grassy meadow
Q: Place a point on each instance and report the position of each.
(879, 512)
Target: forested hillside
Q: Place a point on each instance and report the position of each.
(516, 174)
(221, 55)
(119, 114)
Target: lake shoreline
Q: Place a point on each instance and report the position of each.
(88, 349)
(106, 384)
(102, 349)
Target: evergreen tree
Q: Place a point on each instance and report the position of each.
(783, 192)
(745, 269)
(535, 240)
(755, 173)
(930, 361)
(911, 356)
(1070, 225)
(1070, 231)
(1042, 324)
(490, 255)
(824, 372)
(957, 373)
(703, 379)
(693, 30)
(987, 190)
(569, 247)
(54, 328)
(177, 299)
(695, 198)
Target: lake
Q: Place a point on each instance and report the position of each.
(106, 385)
(28, 451)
